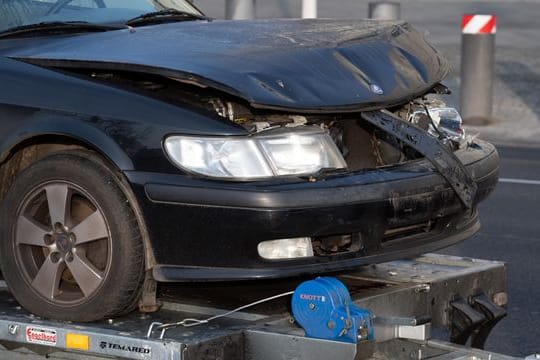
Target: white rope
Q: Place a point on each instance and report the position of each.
(189, 322)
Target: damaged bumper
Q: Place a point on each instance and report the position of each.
(387, 213)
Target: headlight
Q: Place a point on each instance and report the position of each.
(446, 120)
(294, 152)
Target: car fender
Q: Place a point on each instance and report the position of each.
(38, 87)
(115, 121)
(62, 125)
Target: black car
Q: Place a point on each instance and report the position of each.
(143, 142)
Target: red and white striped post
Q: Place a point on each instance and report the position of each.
(477, 67)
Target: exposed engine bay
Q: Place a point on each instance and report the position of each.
(362, 145)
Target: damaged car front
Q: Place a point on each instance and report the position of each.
(230, 151)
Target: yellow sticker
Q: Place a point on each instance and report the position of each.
(77, 341)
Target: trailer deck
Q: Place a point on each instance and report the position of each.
(412, 301)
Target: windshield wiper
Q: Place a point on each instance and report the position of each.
(167, 15)
(58, 27)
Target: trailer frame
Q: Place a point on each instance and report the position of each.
(411, 300)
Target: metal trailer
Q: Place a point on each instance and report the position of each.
(461, 298)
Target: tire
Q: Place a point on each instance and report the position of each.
(70, 247)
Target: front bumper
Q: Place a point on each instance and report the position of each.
(203, 230)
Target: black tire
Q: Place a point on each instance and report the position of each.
(71, 247)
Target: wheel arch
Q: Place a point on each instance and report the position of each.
(31, 149)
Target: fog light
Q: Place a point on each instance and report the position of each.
(286, 248)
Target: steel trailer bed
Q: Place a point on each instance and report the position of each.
(411, 300)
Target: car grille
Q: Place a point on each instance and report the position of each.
(352, 243)
(399, 233)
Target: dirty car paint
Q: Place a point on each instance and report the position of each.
(280, 64)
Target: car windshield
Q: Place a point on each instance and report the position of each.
(17, 13)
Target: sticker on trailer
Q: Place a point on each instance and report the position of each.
(134, 349)
(41, 336)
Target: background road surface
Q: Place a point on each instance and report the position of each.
(511, 232)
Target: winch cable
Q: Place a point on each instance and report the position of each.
(189, 322)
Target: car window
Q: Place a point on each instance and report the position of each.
(14, 13)
(75, 3)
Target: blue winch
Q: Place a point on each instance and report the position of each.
(324, 309)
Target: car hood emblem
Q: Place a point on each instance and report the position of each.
(376, 89)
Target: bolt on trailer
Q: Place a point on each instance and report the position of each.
(384, 311)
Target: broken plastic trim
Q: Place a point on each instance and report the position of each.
(440, 156)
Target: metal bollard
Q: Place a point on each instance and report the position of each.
(384, 10)
(309, 9)
(286, 8)
(240, 9)
(477, 67)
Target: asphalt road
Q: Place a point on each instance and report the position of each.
(511, 233)
(517, 21)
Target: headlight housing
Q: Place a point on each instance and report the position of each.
(296, 151)
(446, 120)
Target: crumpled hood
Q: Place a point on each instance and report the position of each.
(280, 64)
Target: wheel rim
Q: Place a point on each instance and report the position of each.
(62, 242)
